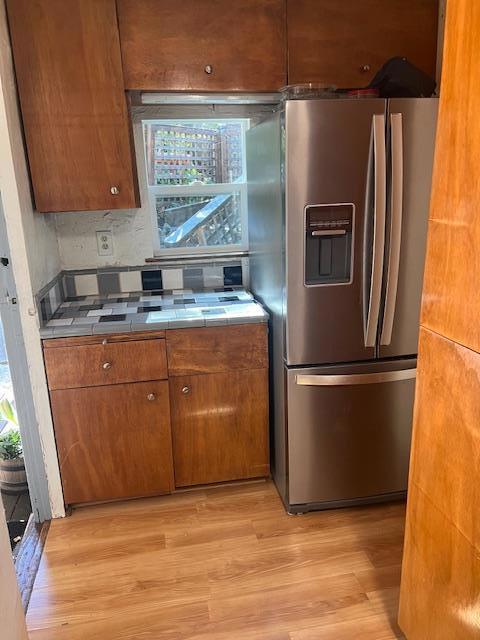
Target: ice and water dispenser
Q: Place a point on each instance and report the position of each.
(328, 243)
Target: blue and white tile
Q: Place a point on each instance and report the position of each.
(99, 312)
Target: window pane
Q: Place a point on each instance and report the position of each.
(185, 152)
(199, 221)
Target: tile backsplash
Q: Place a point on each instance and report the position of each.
(152, 277)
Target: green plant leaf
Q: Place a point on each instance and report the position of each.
(7, 411)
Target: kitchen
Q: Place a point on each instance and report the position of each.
(217, 217)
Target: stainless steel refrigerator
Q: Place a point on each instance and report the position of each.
(338, 196)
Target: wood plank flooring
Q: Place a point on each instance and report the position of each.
(219, 564)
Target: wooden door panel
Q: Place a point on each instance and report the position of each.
(167, 45)
(113, 441)
(103, 364)
(440, 576)
(69, 74)
(220, 426)
(441, 570)
(334, 42)
(217, 349)
(446, 438)
(451, 304)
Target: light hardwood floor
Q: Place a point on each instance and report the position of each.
(219, 564)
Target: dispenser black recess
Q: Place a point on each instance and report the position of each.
(328, 244)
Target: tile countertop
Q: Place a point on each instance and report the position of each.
(124, 312)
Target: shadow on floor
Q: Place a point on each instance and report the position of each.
(17, 511)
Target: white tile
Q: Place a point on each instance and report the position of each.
(54, 299)
(213, 276)
(130, 281)
(60, 322)
(86, 284)
(172, 278)
(99, 312)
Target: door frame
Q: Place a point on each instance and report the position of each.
(22, 384)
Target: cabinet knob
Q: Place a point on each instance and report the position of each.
(104, 341)
(186, 390)
(107, 365)
(114, 191)
(151, 397)
(208, 69)
(365, 68)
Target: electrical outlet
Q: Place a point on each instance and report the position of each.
(104, 243)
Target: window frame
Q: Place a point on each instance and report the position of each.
(197, 189)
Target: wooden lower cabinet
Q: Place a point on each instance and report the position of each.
(219, 426)
(113, 441)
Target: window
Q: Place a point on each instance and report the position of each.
(196, 179)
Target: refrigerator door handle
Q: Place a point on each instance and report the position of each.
(395, 227)
(354, 378)
(378, 248)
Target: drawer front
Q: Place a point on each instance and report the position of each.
(113, 442)
(100, 364)
(217, 349)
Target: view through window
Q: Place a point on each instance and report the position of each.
(197, 183)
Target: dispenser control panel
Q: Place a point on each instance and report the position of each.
(328, 244)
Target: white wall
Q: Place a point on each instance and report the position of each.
(12, 618)
(132, 229)
(34, 252)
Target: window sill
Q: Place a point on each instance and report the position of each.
(199, 257)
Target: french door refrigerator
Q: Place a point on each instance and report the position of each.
(338, 195)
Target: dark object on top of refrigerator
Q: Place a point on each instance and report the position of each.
(399, 78)
(338, 195)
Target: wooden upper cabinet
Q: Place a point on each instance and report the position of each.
(203, 46)
(345, 42)
(69, 74)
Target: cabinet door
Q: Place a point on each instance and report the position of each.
(203, 46)
(345, 43)
(68, 66)
(220, 426)
(113, 441)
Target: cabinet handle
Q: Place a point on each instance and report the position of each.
(365, 68)
(186, 390)
(151, 397)
(107, 365)
(114, 191)
(208, 69)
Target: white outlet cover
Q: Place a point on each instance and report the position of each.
(104, 243)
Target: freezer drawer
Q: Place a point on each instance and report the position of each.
(349, 431)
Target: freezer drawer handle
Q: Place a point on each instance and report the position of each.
(395, 227)
(355, 378)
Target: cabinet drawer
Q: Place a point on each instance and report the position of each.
(217, 349)
(111, 363)
(113, 442)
